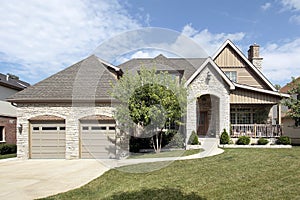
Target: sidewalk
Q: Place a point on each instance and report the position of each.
(210, 147)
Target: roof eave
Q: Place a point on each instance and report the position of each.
(67, 100)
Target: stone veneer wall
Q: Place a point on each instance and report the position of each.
(71, 114)
(215, 86)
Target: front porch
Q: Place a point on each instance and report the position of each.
(255, 130)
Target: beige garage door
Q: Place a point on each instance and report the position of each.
(97, 139)
(48, 139)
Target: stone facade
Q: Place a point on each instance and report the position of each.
(71, 114)
(214, 86)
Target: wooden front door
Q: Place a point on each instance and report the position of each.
(203, 123)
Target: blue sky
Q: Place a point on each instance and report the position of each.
(39, 38)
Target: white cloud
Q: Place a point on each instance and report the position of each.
(44, 37)
(295, 19)
(282, 61)
(210, 41)
(266, 6)
(291, 4)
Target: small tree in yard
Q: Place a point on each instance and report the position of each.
(150, 102)
(224, 139)
(293, 103)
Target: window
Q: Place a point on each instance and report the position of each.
(231, 75)
(241, 116)
(2, 134)
(51, 128)
(95, 128)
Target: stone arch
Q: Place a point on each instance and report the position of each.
(46, 117)
(208, 115)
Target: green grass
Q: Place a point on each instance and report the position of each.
(235, 174)
(8, 156)
(174, 153)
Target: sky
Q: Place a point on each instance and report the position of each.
(39, 38)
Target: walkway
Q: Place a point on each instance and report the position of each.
(31, 179)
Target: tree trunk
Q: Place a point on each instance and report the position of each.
(157, 143)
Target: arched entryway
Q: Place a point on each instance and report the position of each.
(208, 115)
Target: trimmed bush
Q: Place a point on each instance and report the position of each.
(8, 149)
(262, 141)
(177, 141)
(224, 139)
(193, 140)
(285, 140)
(243, 140)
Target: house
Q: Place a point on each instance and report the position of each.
(70, 114)
(9, 85)
(289, 127)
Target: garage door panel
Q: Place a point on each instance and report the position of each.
(48, 155)
(48, 140)
(95, 140)
(48, 137)
(48, 149)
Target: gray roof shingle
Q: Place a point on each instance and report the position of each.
(187, 66)
(87, 80)
(12, 82)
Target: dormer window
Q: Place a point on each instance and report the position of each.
(231, 75)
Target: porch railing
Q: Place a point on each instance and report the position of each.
(255, 130)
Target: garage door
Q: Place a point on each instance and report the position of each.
(97, 139)
(48, 139)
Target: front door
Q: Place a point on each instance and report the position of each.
(203, 123)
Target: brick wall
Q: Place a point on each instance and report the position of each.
(9, 124)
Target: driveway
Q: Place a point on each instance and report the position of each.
(31, 179)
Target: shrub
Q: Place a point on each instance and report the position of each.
(8, 149)
(243, 140)
(224, 139)
(177, 141)
(262, 141)
(283, 140)
(193, 140)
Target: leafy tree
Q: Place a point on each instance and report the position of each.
(293, 103)
(149, 103)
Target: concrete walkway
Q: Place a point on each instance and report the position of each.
(209, 145)
(31, 179)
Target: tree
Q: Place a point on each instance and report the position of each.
(149, 103)
(293, 103)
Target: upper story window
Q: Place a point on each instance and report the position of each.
(231, 75)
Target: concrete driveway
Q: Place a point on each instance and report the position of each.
(31, 179)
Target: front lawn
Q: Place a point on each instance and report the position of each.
(8, 156)
(174, 153)
(235, 174)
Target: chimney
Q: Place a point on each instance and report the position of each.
(253, 56)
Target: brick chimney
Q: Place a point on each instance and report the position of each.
(253, 56)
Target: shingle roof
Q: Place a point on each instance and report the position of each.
(12, 82)
(187, 66)
(290, 85)
(87, 80)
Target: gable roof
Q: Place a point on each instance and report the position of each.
(87, 80)
(12, 82)
(219, 71)
(252, 67)
(186, 66)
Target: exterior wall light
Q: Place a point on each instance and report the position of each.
(20, 128)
